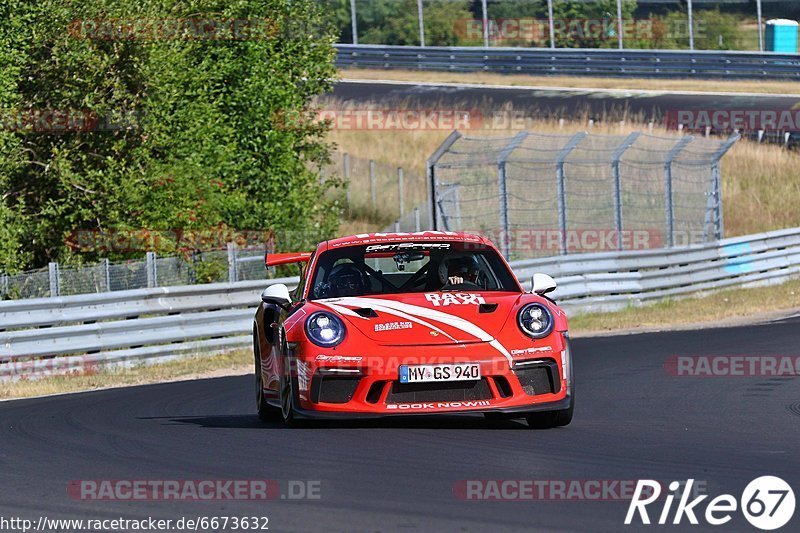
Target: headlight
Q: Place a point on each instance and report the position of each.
(535, 321)
(325, 329)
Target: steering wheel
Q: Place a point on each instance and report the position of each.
(463, 286)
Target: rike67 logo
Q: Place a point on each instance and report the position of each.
(767, 503)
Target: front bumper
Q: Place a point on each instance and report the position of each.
(330, 386)
(511, 412)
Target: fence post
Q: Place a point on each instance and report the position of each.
(232, 262)
(353, 23)
(372, 183)
(430, 171)
(668, 194)
(397, 226)
(714, 205)
(485, 19)
(55, 281)
(346, 158)
(629, 140)
(421, 24)
(107, 273)
(152, 272)
(400, 190)
(416, 219)
(562, 190)
(502, 185)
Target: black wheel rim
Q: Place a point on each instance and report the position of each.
(286, 398)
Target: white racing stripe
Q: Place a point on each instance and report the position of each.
(413, 312)
(399, 314)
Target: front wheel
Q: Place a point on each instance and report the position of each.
(288, 412)
(551, 419)
(266, 412)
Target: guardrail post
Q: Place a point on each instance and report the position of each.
(416, 219)
(668, 196)
(152, 270)
(372, 183)
(232, 262)
(615, 160)
(400, 190)
(430, 165)
(55, 281)
(4, 291)
(561, 189)
(106, 265)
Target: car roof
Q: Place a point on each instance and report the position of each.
(416, 236)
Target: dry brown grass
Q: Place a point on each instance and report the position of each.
(577, 82)
(714, 307)
(230, 363)
(761, 189)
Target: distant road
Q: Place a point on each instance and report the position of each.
(556, 102)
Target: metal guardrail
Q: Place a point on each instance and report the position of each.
(574, 61)
(608, 281)
(79, 333)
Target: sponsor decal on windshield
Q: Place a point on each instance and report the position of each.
(407, 246)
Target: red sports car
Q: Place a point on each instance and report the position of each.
(411, 323)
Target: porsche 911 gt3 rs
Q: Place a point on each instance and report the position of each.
(411, 323)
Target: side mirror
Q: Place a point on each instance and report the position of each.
(542, 284)
(277, 294)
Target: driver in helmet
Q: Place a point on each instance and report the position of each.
(458, 269)
(347, 280)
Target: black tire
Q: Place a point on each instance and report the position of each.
(287, 396)
(266, 412)
(288, 385)
(551, 419)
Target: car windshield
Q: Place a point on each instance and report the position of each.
(407, 267)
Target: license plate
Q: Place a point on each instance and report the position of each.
(428, 373)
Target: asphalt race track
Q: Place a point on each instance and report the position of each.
(633, 420)
(558, 103)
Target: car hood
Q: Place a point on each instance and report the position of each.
(427, 318)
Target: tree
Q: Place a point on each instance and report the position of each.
(183, 129)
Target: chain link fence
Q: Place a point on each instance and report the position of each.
(233, 264)
(395, 196)
(539, 194)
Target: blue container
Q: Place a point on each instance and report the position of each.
(781, 36)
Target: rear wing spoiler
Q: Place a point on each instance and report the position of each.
(272, 260)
